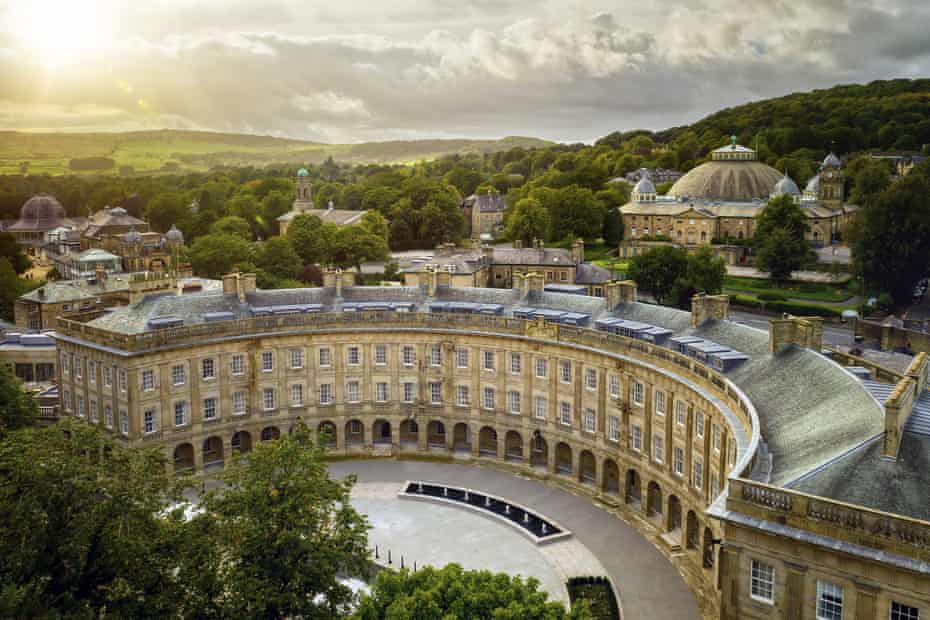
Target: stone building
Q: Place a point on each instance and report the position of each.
(303, 203)
(759, 466)
(39, 215)
(722, 199)
(484, 215)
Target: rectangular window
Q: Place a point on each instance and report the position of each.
(92, 371)
(297, 359)
(461, 358)
(715, 433)
(488, 360)
(699, 424)
(122, 380)
(268, 399)
(900, 611)
(177, 375)
(829, 601)
(590, 379)
(660, 402)
(297, 395)
(678, 460)
(565, 371)
(636, 437)
(180, 413)
(435, 355)
(713, 485)
(108, 416)
(732, 450)
(65, 367)
(149, 421)
(409, 392)
(353, 356)
(540, 407)
(408, 355)
(326, 358)
(381, 354)
(355, 427)
(658, 449)
(762, 581)
(80, 405)
(637, 395)
(238, 403)
(565, 413)
(516, 363)
(461, 396)
(590, 421)
(124, 422)
(326, 394)
(614, 386)
(93, 410)
(148, 380)
(542, 367)
(698, 478)
(681, 412)
(209, 408)
(267, 361)
(66, 400)
(353, 393)
(107, 376)
(237, 364)
(435, 392)
(513, 400)
(78, 365)
(613, 428)
(381, 392)
(208, 369)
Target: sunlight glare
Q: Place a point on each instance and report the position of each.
(61, 32)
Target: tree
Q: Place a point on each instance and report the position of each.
(464, 179)
(17, 407)
(779, 239)
(164, 210)
(355, 245)
(232, 225)
(527, 222)
(11, 287)
(310, 238)
(215, 255)
(274, 205)
(891, 236)
(613, 227)
(81, 531)
(381, 199)
(659, 271)
(248, 208)
(872, 179)
(452, 592)
(374, 223)
(285, 531)
(706, 271)
(277, 257)
(13, 252)
(426, 215)
(573, 211)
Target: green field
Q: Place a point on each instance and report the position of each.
(807, 291)
(149, 151)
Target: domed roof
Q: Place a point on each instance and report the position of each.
(813, 185)
(132, 236)
(174, 234)
(728, 180)
(41, 212)
(303, 172)
(786, 186)
(118, 211)
(831, 160)
(644, 185)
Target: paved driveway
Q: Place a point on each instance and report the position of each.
(650, 587)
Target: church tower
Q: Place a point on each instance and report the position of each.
(303, 200)
(831, 182)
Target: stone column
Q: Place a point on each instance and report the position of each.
(729, 575)
(794, 591)
(866, 599)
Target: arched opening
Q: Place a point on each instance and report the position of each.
(634, 487)
(271, 433)
(381, 432)
(611, 480)
(212, 451)
(587, 467)
(674, 514)
(563, 458)
(539, 453)
(436, 434)
(409, 433)
(241, 442)
(461, 438)
(327, 434)
(355, 433)
(487, 441)
(692, 537)
(654, 499)
(708, 553)
(183, 457)
(513, 446)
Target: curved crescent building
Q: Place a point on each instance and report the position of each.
(778, 482)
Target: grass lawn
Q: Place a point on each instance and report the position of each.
(808, 291)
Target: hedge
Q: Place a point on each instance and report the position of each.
(797, 308)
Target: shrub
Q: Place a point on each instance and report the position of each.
(771, 296)
(802, 309)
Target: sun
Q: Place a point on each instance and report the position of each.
(60, 33)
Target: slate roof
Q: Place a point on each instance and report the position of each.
(487, 203)
(339, 217)
(589, 273)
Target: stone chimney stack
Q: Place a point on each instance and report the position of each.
(578, 251)
(709, 307)
(525, 283)
(806, 331)
(619, 292)
(231, 283)
(239, 284)
(487, 254)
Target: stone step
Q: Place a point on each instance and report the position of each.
(672, 540)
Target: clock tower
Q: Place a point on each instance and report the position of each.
(831, 182)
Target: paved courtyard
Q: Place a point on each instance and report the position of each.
(648, 584)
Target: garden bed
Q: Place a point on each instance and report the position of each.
(598, 593)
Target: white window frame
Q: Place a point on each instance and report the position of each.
(410, 392)
(237, 365)
(326, 393)
(659, 407)
(461, 358)
(381, 355)
(269, 399)
(590, 378)
(699, 424)
(297, 359)
(716, 434)
(516, 363)
(122, 379)
(178, 375)
(830, 599)
(211, 402)
(325, 357)
(207, 368)
(381, 392)
(487, 360)
(462, 397)
(237, 399)
(435, 392)
(108, 416)
(107, 376)
(903, 611)
(353, 391)
(615, 386)
(678, 460)
(435, 355)
(613, 428)
(681, 412)
(697, 473)
(148, 380)
(565, 371)
(408, 355)
(149, 421)
(123, 422)
(540, 407)
(297, 395)
(353, 355)
(565, 413)
(658, 448)
(267, 358)
(636, 393)
(636, 438)
(180, 408)
(542, 367)
(514, 402)
(589, 420)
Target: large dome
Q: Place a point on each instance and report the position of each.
(41, 212)
(728, 180)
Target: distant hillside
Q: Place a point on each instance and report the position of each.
(152, 151)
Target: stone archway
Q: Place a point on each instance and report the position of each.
(436, 434)
(354, 433)
(611, 478)
(539, 451)
(242, 442)
(461, 438)
(327, 434)
(692, 529)
(183, 457)
(409, 433)
(212, 451)
(381, 432)
(563, 459)
(271, 433)
(487, 441)
(634, 487)
(673, 523)
(513, 446)
(587, 467)
(654, 499)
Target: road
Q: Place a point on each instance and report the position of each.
(833, 335)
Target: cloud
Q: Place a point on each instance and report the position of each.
(562, 70)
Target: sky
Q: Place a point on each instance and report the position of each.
(353, 71)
